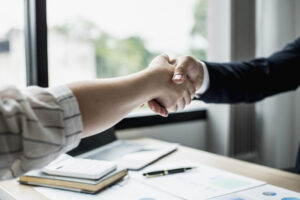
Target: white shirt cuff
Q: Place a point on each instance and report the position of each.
(72, 116)
(205, 83)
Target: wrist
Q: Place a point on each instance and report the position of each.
(157, 79)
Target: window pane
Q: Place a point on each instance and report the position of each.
(12, 45)
(92, 39)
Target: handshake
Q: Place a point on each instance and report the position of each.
(176, 80)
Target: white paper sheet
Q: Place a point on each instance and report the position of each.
(202, 183)
(126, 190)
(235, 196)
(265, 192)
(271, 192)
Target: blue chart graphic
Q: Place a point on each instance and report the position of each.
(290, 198)
(269, 193)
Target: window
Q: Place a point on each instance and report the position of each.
(12, 44)
(97, 39)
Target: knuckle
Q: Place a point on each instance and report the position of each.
(180, 68)
(188, 58)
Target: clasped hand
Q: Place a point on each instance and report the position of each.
(183, 78)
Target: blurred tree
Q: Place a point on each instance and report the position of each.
(198, 53)
(114, 57)
(199, 29)
(200, 18)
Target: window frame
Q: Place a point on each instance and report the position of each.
(36, 50)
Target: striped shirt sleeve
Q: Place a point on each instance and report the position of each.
(36, 125)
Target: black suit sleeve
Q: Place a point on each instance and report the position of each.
(254, 80)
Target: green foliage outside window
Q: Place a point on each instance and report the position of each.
(116, 57)
(200, 18)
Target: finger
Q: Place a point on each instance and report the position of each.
(173, 108)
(187, 66)
(180, 104)
(180, 72)
(178, 76)
(150, 105)
(191, 89)
(187, 98)
(153, 106)
(176, 108)
(173, 61)
(162, 111)
(157, 108)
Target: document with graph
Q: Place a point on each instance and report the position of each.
(203, 182)
(265, 192)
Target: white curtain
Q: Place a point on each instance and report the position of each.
(219, 51)
(278, 117)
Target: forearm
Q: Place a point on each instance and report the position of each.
(234, 83)
(242, 82)
(254, 80)
(105, 102)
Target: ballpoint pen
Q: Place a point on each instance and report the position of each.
(166, 172)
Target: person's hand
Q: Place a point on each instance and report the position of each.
(186, 67)
(173, 97)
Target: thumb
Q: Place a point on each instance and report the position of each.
(179, 74)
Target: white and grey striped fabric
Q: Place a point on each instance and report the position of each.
(36, 125)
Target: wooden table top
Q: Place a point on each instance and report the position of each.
(13, 190)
